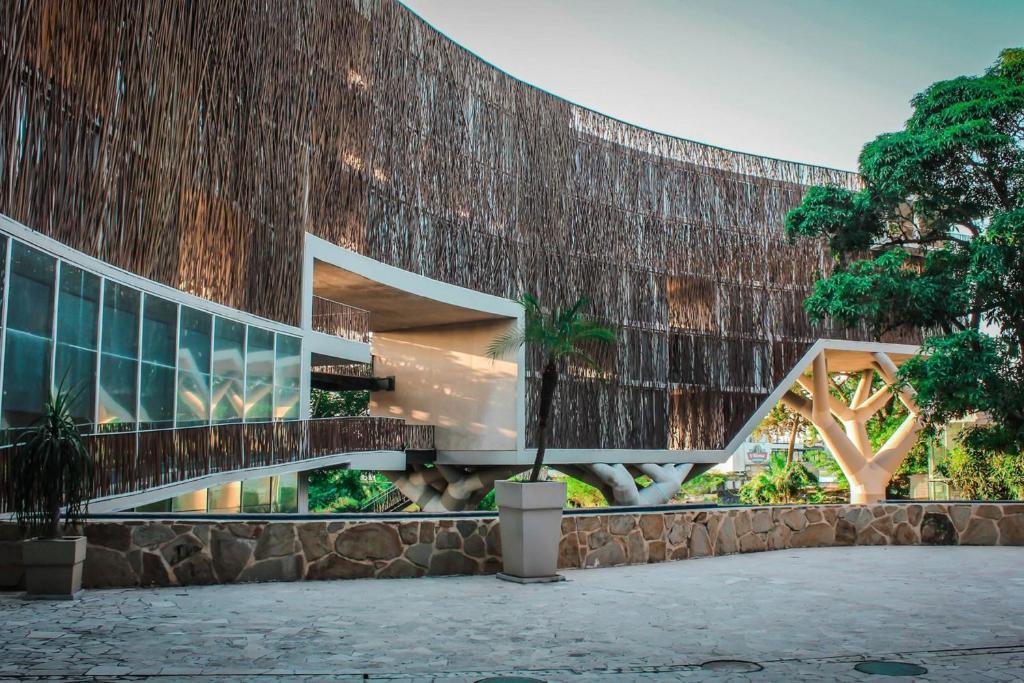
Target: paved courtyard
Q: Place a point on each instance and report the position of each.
(800, 614)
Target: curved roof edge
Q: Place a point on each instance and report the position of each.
(427, 23)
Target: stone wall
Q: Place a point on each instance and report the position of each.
(168, 553)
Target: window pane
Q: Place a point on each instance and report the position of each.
(286, 493)
(194, 367)
(78, 308)
(157, 389)
(29, 335)
(119, 351)
(259, 386)
(228, 370)
(225, 498)
(256, 495)
(286, 378)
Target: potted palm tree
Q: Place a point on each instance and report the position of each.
(530, 511)
(51, 476)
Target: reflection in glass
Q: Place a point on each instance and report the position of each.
(78, 305)
(286, 378)
(259, 382)
(256, 495)
(29, 335)
(156, 399)
(225, 498)
(119, 356)
(228, 370)
(194, 367)
(286, 493)
(194, 501)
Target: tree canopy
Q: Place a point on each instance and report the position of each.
(933, 239)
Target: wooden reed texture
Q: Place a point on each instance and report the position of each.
(195, 143)
(126, 462)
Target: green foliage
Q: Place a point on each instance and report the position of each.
(560, 336)
(703, 487)
(51, 468)
(934, 240)
(582, 495)
(780, 483)
(343, 490)
(985, 474)
(338, 403)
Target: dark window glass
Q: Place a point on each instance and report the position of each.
(259, 381)
(119, 357)
(157, 388)
(194, 367)
(26, 381)
(78, 305)
(228, 370)
(286, 378)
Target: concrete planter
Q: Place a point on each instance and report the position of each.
(530, 517)
(53, 567)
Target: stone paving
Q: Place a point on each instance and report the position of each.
(802, 615)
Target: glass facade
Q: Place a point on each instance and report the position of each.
(29, 335)
(266, 494)
(133, 360)
(119, 357)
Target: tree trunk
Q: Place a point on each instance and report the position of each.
(792, 440)
(548, 382)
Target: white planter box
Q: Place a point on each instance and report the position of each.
(53, 567)
(530, 517)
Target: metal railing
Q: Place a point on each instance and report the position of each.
(388, 500)
(341, 320)
(127, 462)
(417, 437)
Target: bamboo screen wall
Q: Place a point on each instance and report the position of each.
(195, 143)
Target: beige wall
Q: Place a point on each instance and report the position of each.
(443, 377)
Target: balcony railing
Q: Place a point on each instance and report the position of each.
(341, 320)
(127, 462)
(417, 437)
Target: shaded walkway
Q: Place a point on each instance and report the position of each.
(803, 614)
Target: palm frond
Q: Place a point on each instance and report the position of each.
(507, 343)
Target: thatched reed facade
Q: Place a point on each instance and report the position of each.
(196, 143)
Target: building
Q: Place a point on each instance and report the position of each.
(209, 209)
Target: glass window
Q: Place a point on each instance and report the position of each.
(259, 375)
(78, 306)
(119, 356)
(286, 493)
(286, 378)
(29, 335)
(228, 370)
(256, 495)
(159, 329)
(194, 501)
(225, 498)
(194, 367)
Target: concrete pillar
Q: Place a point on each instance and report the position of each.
(303, 492)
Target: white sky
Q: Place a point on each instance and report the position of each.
(808, 80)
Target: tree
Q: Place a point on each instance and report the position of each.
(51, 470)
(933, 240)
(985, 475)
(323, 403)
(779, 482)
(559, 336)
(786, 423)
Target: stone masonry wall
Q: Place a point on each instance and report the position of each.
(172, 553)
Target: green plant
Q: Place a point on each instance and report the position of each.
(51, 470)
(780, 482)
(323, 403)
(559, 336)
(934, 240)
(984, 475)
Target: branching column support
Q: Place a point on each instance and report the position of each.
(617, 483)
(448, 488)
(867, 472)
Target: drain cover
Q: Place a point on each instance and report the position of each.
(880, 668)
(510, 679)
(737, 666)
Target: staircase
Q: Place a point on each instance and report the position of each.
(388, 500)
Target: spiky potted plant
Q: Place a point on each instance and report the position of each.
(530, 511)
(51, 477)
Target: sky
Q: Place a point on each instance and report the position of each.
(806, 80)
